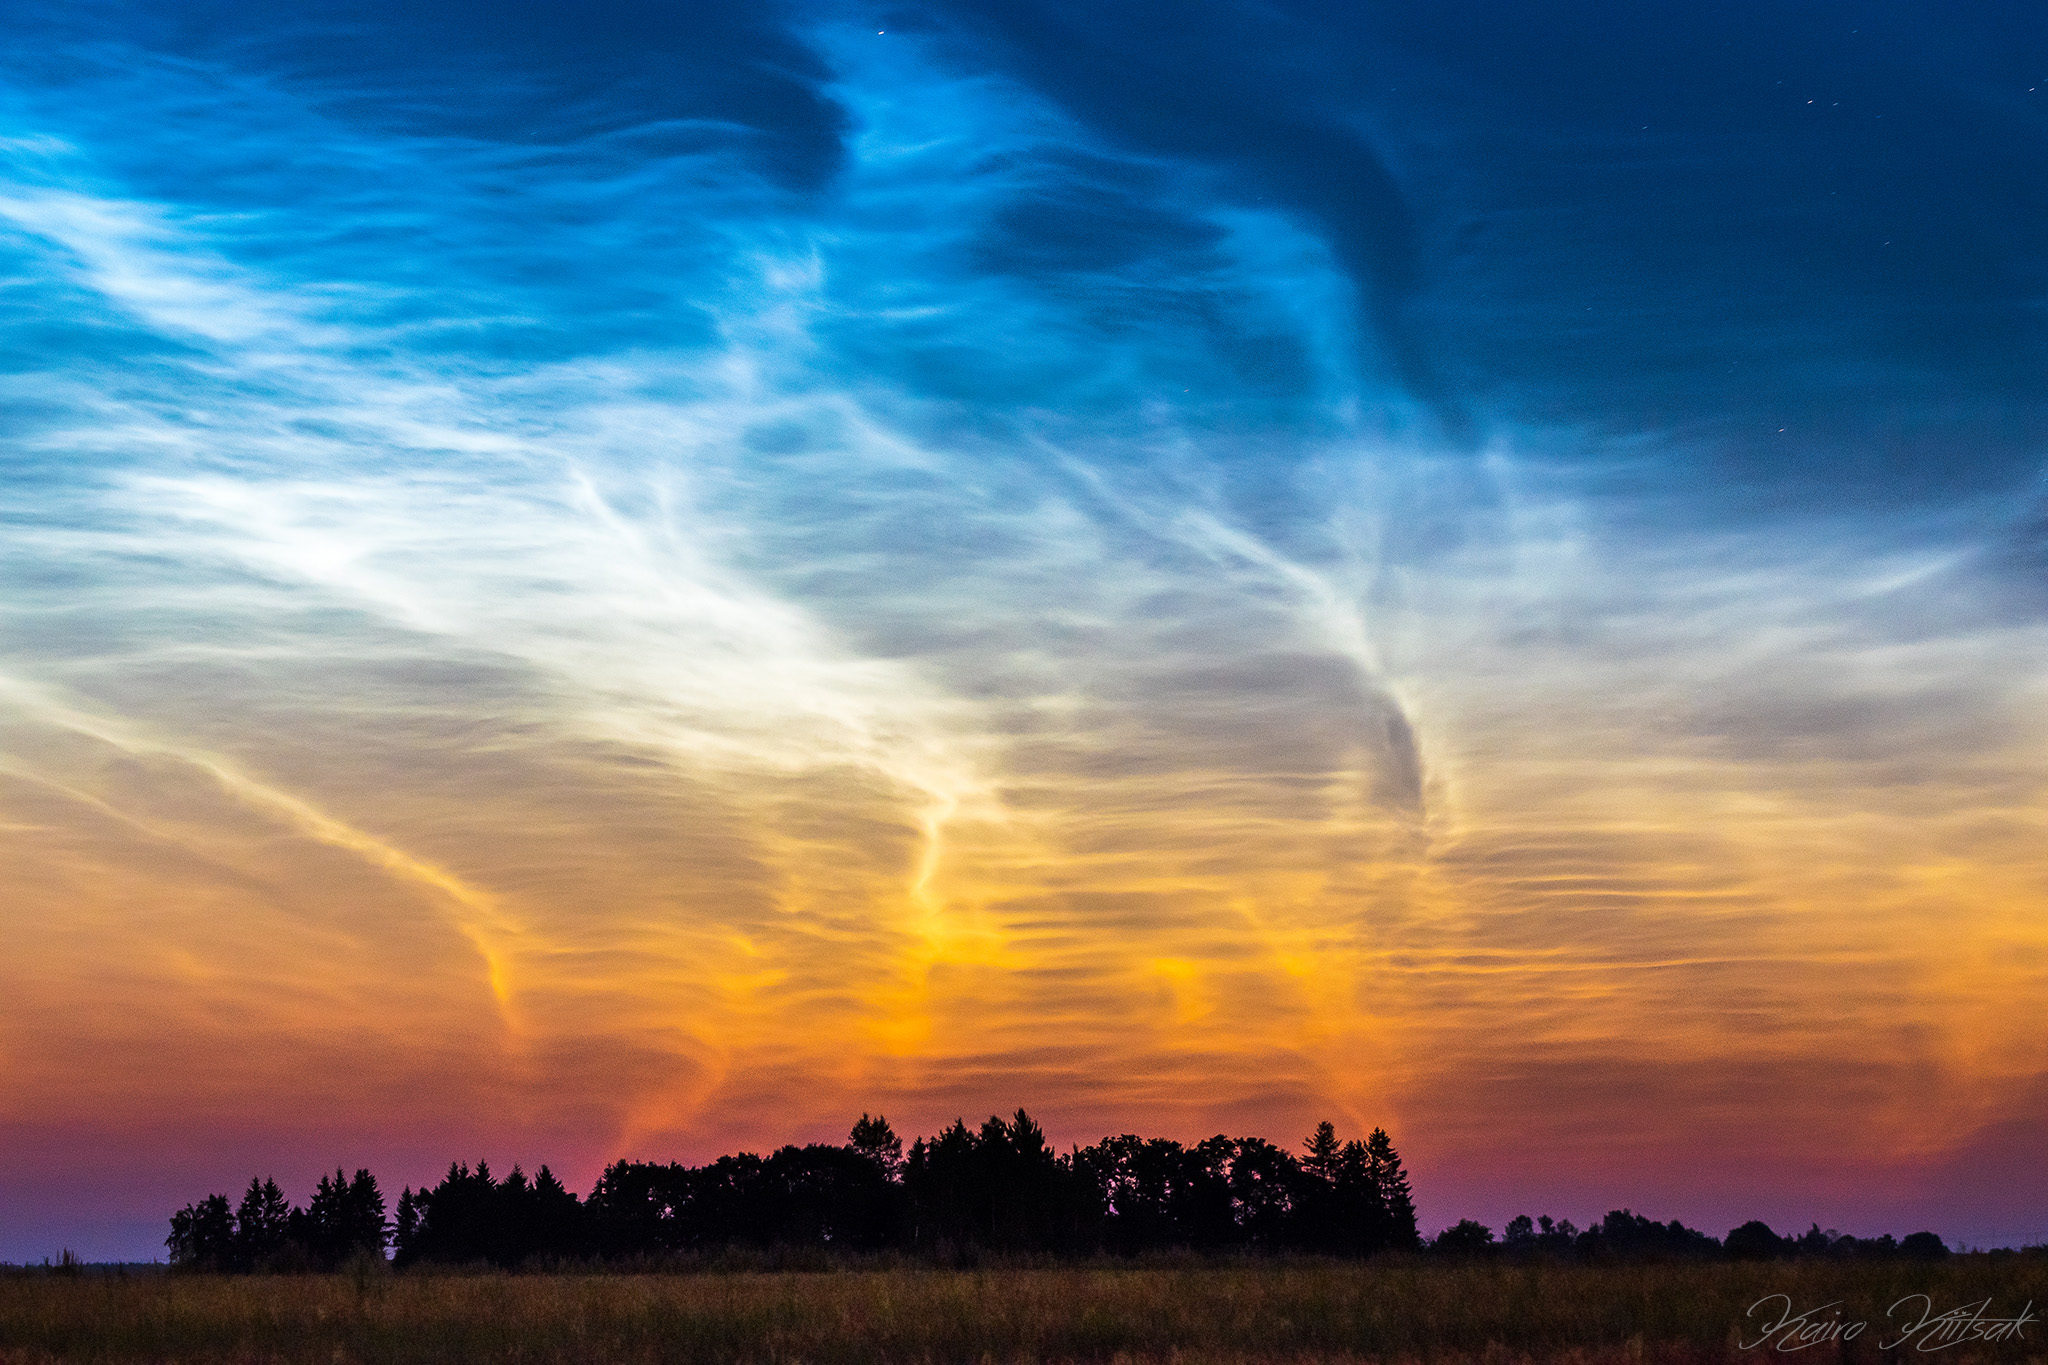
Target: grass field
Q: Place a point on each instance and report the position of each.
(1382, 1311)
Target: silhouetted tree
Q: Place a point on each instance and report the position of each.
(1625, 1235)
(1026, 1182)
(263, 1228)
(1466, 1237)
(1211, 1208)
(1923, 1246)
(999, 1187)
(1338, 1206)
(874, 1139)
(460, 1221)
(405, 1228)
(1545, 1236)
(1264, 1182)
(556, 1217)
(1396, 1198)
(818, 1195)
(1364, 1225)
(637, 1207)
(470, 1217)
(1321, 1151)
(941, 1183)
(1132, 1194)
(203, 1235)
(833, 1196)
(1317, 1220)
(344, 1218)
(1813, 1242)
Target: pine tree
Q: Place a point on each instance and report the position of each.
(1322, 1151)
(263, 1223)
(1365, 1226)
(365, 1227)
(1395, 1195)
(558, 1218)
(874, 1139)
(405, 1236)
(345, 1216)
(1027, 1139)
(325, 1220)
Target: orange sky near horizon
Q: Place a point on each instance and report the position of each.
(1601, 950)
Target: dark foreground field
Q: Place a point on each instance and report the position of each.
(1381, 1311)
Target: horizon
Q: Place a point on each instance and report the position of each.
(907, 1146)
(634, 580)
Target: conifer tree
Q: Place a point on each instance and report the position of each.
(874, 1139)
(263, 1225)
(1395, 1196)
(405, 1234)
(344, 1216)
(1322, 1150)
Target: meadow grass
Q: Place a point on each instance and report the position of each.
(1387, 1310)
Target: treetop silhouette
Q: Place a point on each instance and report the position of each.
(954, 1196)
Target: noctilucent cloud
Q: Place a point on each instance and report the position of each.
(642, 578)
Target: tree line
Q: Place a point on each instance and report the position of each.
(997, 1188)
(265, 1231)
(1002, 1188)
(1628, 1236)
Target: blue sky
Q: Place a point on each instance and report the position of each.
(588, 580)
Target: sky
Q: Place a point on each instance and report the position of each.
(641, 579)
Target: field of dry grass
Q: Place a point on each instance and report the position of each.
(1383, 1311)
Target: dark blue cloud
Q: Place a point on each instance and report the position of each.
(1088, 215)
(1807, 249)
(1706, 225)
(522, 71)
(1238, 90)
